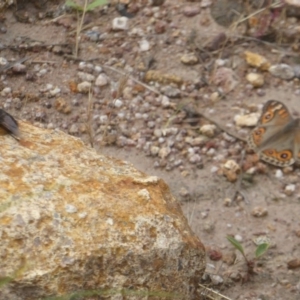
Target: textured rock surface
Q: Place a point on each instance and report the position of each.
(5, 3)
(73, 220)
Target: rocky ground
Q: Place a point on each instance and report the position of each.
(165, 85)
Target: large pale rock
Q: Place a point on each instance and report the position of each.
(74, 221)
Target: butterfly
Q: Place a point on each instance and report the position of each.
(276, 137)
(9, 123)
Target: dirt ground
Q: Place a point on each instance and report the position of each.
(44, 35)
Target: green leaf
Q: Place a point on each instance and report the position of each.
(261, 249)
(72, 4)
(236, 244)
(95, 4)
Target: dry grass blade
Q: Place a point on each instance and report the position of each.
(212, 294)
(89, 119)
(273, 5)
(133, 79)
(79, 27)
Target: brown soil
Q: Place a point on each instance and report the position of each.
(201, 191)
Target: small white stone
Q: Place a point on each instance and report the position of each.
(194, 158)
(42, 72)
(3, 61)
(157, 132)
(278, 174)
(55, 91)
(161, 140)
(144, 45)
(290, 189)
(103, 119)
(221, 62)
(120, 23)
(81, 65)
(118, 103)
(84, 87)
(86, 76)
(101, 80)
(70, 208)
(6, 91)
(165, 101)
(238, 238)
(214, 169)
(208, 130)
(154, 150)
(216, 279)
(211, 152)
(164, 152)
(48, 87)
(247, 120)
(97, 69)
(256, 80)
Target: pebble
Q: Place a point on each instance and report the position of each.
(62, 106)
(296, 69)
(118, 103)
(82, 65)
(282, 71)
(208, 130)
(19, 68)
(154, 150)
(249, 120)
(6, 91)
(184, 193)
(194, 158)
(191, 11)
(278, 174)
(144, 45)
(238, 238)
(165, 101)
(160, 27)
(84, 87)
(216, 279)
(42, 72)
(101, 80)
(259, 211)
(55, 91)
(3, 61)
(98, 69)
(164, 152)
(214, 169)
(120, 23)
(86, 76)
(225, 78)
(257, 60)
(290, 189)
(209, 226)
(74, 129)
(189, 59)
(227, 202)
(171, 92)
(92, 35)
(257, 80)
(231, 169)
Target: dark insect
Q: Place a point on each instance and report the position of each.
(8, 122)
